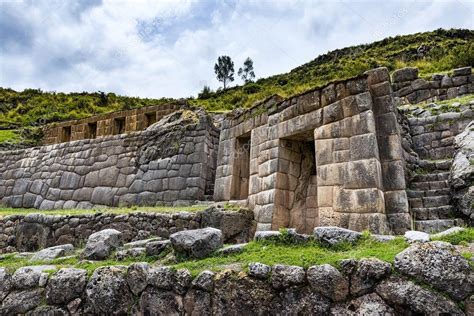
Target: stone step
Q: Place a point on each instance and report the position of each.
(439, 212)
(423, 193)
(430, 201)
(437, 225)
(430, 177)
(429, 185)
(432, 165)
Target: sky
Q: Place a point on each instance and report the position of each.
(167, 48)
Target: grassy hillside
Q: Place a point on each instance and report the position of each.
(437, 51)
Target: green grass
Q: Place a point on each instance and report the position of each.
(270, 253)
(463, 237)
(447, 49)
(304, 255)
(111, 210)
(463, 100)
(9, 135)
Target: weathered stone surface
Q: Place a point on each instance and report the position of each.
(259, 270)
(20, 302)
(5, 283)
(130, 253)
(405, 74)
(204, 281)
(284, 276)
(182, 281)
(197, 243)
(101, 244)
(267, 235)
(417, 236)
(197, 302)
(137, 277)
(53, 252)
(300, 301)
(448, 231)
(332, 235)
(160, 302)
(107, 292)
(328, 281)
(231, 249)
(367, 305)
(31, 277)
(66, 285)
(365, 274)
(161, 277)
(406, 298)
(440, 265)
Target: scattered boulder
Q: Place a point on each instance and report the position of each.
(155, 248)
(66, 285)
(416, 236)
(271, 235)
(365, 274)
(440, 265)
(101, 244)
(232, 249)
(332, 235)
(328, 281)
(107, 292)
(137, 277)
(284, 276)
(197, 243)
(51, 253)
(130, 253)
(408, 298)
(369, 304)
(259, 270)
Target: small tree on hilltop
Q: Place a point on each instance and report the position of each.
(246, 73)
(224, 69)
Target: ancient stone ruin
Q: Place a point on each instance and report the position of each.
(353, 154)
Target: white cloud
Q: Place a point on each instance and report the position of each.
(168, 48)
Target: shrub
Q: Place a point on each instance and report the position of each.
(252, 88)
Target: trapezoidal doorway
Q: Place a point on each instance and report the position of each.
(241, 169)
(297, 168)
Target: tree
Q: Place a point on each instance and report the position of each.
(246, 73)
(205, 93)
(224, 69)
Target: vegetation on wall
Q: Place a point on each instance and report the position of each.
(431, 52)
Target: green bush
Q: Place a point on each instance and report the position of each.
(252, 87)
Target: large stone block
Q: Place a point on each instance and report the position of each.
(363, 174)
(363, 147)
(358, 201)
(332, 174)
(396, 202)
(405, 74)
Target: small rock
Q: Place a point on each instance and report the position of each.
(130, 253)
(231, 249)
(283, 276)
(331, 235)
(204, 281)
(31, 276)
(271, 235)
(383, 238)
(155, 248)
(448, 231)
(328, 281)
(259, 270)
(101, 244)
(141, 243)
(197, 243)
(51, 253)
(416, 236)
(73, 306)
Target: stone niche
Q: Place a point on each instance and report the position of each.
(172, 161)
(329, 156)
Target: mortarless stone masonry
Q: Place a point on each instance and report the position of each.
(172, 160)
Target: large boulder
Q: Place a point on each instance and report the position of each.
(332, 235)
(440, 265)
(66, 285)
(107, 292)
(197, 243)
(408, 298)
(51, 253)
(100, 245)
(462, 173)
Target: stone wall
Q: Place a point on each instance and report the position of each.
(172, 160)
(108, 124)
(359, 180)
(365, 287)
(37, 231)
(411, 89)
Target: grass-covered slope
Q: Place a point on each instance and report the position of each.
(431, 52)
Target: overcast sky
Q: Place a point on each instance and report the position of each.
(168, 48)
